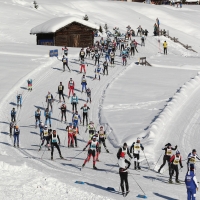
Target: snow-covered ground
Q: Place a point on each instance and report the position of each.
(130, 101)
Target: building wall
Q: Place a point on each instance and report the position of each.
(74, 35)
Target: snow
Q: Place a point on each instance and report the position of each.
(160, 104)
(57, 23)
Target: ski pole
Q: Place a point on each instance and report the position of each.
(139, 185)
(76, 155)
(43, 152)
(157, 161)
(146, 159)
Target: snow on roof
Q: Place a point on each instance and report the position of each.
(55, 24)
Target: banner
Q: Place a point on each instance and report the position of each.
(53, 53)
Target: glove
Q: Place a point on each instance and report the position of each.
(181, 166)
(176, 146)
(84, 149)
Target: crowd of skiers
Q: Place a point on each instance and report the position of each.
(104, 48)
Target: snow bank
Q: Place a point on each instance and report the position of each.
(36, 185)
(54, 24)
(177, 102)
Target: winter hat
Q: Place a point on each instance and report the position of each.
(194, 150)
(138, 138)
(177, 152)
(125, 144)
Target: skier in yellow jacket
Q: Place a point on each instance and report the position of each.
(165, 47)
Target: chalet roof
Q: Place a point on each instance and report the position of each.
(52, 25)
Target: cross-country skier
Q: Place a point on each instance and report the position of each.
(82, 54)
(124, 59)
(63, 109)
(112, 58)
(37, 117)
(13, 115)
(70, 134)
(136, 147)
(192, 157)
(70, 131)
(19, 100)
(97, 72)
(75, 118)
(16, 135)
(91, 129)
(65, 49)
(47, 115)
(102, 139)
(139, 30)
(135, 45)
(142, 40)
(60, 92)
(105, 67)
(124, 164)
(122, 43)
(88, 92)
(12, 125)
(97, 57)
(84, 83)
(29, 81)
(93, 148)
(107, 54)
(71, 86)
(55, 142)
(44, 136)
(165, 47)
(41, 126)
(74, 102)
(75, 132)
(65, 62)
(83, 66)
(49, 100)
(132, 44)
(168, 153)
(85, 109)
(123, 150)
(191, 184)
(173, 166)
(87, 52)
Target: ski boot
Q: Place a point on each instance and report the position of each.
(83, 165)
(51, 157)
(170, 181)
(177, 181)
(94, 167)
(14, 145)
(39, 148)
(159, 171)
(107, 151)
(61, 157)
(135, 165)
(18, 146)
(138, 166)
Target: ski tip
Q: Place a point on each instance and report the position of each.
(79, 182)
(142, 196)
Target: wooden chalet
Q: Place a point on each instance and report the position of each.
(65, 31)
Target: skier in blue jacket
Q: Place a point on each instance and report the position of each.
(191, 184)
(13, 115)
(75, 118)
(19, 99)
(97, 72)
(74, 102)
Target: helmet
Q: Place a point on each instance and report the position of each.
(45, 126)
(70, 124)
(16, 127)
(94, 137)
(13, 108)
(177, 152)
(138, 138)
(169, 144)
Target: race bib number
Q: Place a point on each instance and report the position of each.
(45, 133)
(169, 152)
(176, 162)
(192, 160)
(60, 87)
